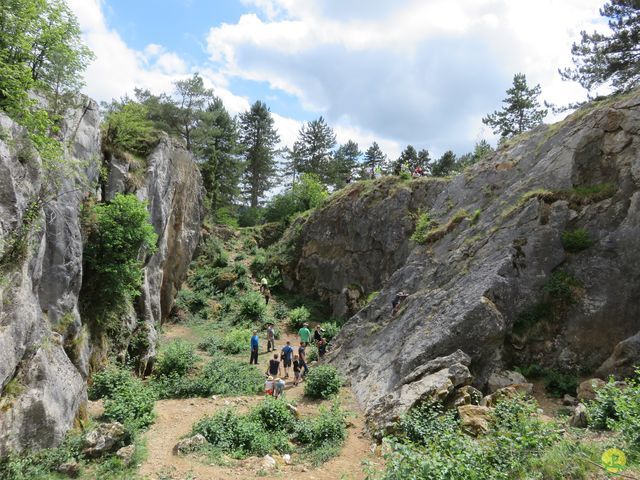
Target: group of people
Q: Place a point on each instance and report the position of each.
(288, 359)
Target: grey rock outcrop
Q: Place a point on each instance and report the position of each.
(45, 348)
(490, 277)
(504, 378)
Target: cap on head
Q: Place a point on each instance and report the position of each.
(270, 378)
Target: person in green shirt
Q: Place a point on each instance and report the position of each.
(304, 333)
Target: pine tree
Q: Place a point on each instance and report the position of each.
(521, 111)
(373, 158)
(614, 58)
(445, 165)
(408, 159)
(215, 142)
(316, 141)
(345, 160)
(259, 139)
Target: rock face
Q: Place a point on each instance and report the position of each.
(45, 348)
(172, 187)
(494, 279)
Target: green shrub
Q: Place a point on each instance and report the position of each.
(561, 287)
(194, 302)
(104, 382)
(602, 411)
(273, 414)
(112, 275)
(178, 357)
(557, 384)
(280, 311)
(240, 268)
(322, 382)
(328, 428)
(259, 264)
(221, 376)
(532, 371)
(126, 128)
(211, 344)
(250, 217)
(331, 329)
(309, 192)
(224, 279)
(131, 404)
(423, 225)
(251, 307)
(298, 317)
(311, 353)
(236, 340)
(576, 240)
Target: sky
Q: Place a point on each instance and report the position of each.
(419, 72)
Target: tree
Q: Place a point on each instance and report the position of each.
(407, 159)
(259, 139)
(480, 150)
(445, 165)
(373, 158)
(521, 111)
(315, 143)
(192, 99)
(293, 161)
(345, 160)
(216, 146)
(614, 58)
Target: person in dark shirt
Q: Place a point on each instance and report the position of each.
(287, 352)
(322, 347)
(317, 334)
(296, 370)
(274, 366)
(303, 359)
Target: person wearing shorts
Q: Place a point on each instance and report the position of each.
(287, 352)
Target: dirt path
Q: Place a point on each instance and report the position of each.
(175, 419)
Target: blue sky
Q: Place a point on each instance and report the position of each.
(410, 71)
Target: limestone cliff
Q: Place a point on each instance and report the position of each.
(494, 277)
(45, 347)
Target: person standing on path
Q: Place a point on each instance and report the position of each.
(304, 333)
(296, 370)
(278, 387)
(303, 359)
(266, 293)
(254, 349)
(287, 352)
(271, 338)
(263, 284)
(274, 366)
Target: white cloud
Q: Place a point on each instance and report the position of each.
(410, 71)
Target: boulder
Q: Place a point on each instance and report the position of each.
(569, 400)
(587, 389)
(126, 454)
(504, 378)
(578, 418)
(508, 393)
(475, 419)
(268, 462)
(106, 438)
(467, 395)
(70, 469)
(190, 444)
(286, 459)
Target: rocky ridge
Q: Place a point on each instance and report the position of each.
(496, 278)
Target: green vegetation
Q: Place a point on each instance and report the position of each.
(177, 358)
(557, 384)
(307, 193)
(221, 376)
(423, 225)
(298, 317)
(575, 241)
(119, 230)
(270, 427)
(323, 381)
(562, 288)
(438, 232)
(127, 129)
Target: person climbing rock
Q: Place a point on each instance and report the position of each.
(395, 304)
(304, 333)
(317, 334)
(274, 366)
(271, 338)
(254, 349)
(287, 352)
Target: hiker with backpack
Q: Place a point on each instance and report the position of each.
(287, 352)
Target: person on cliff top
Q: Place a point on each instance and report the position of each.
(305, 334)
(254, 349)
(287, 352)
(271, 338)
